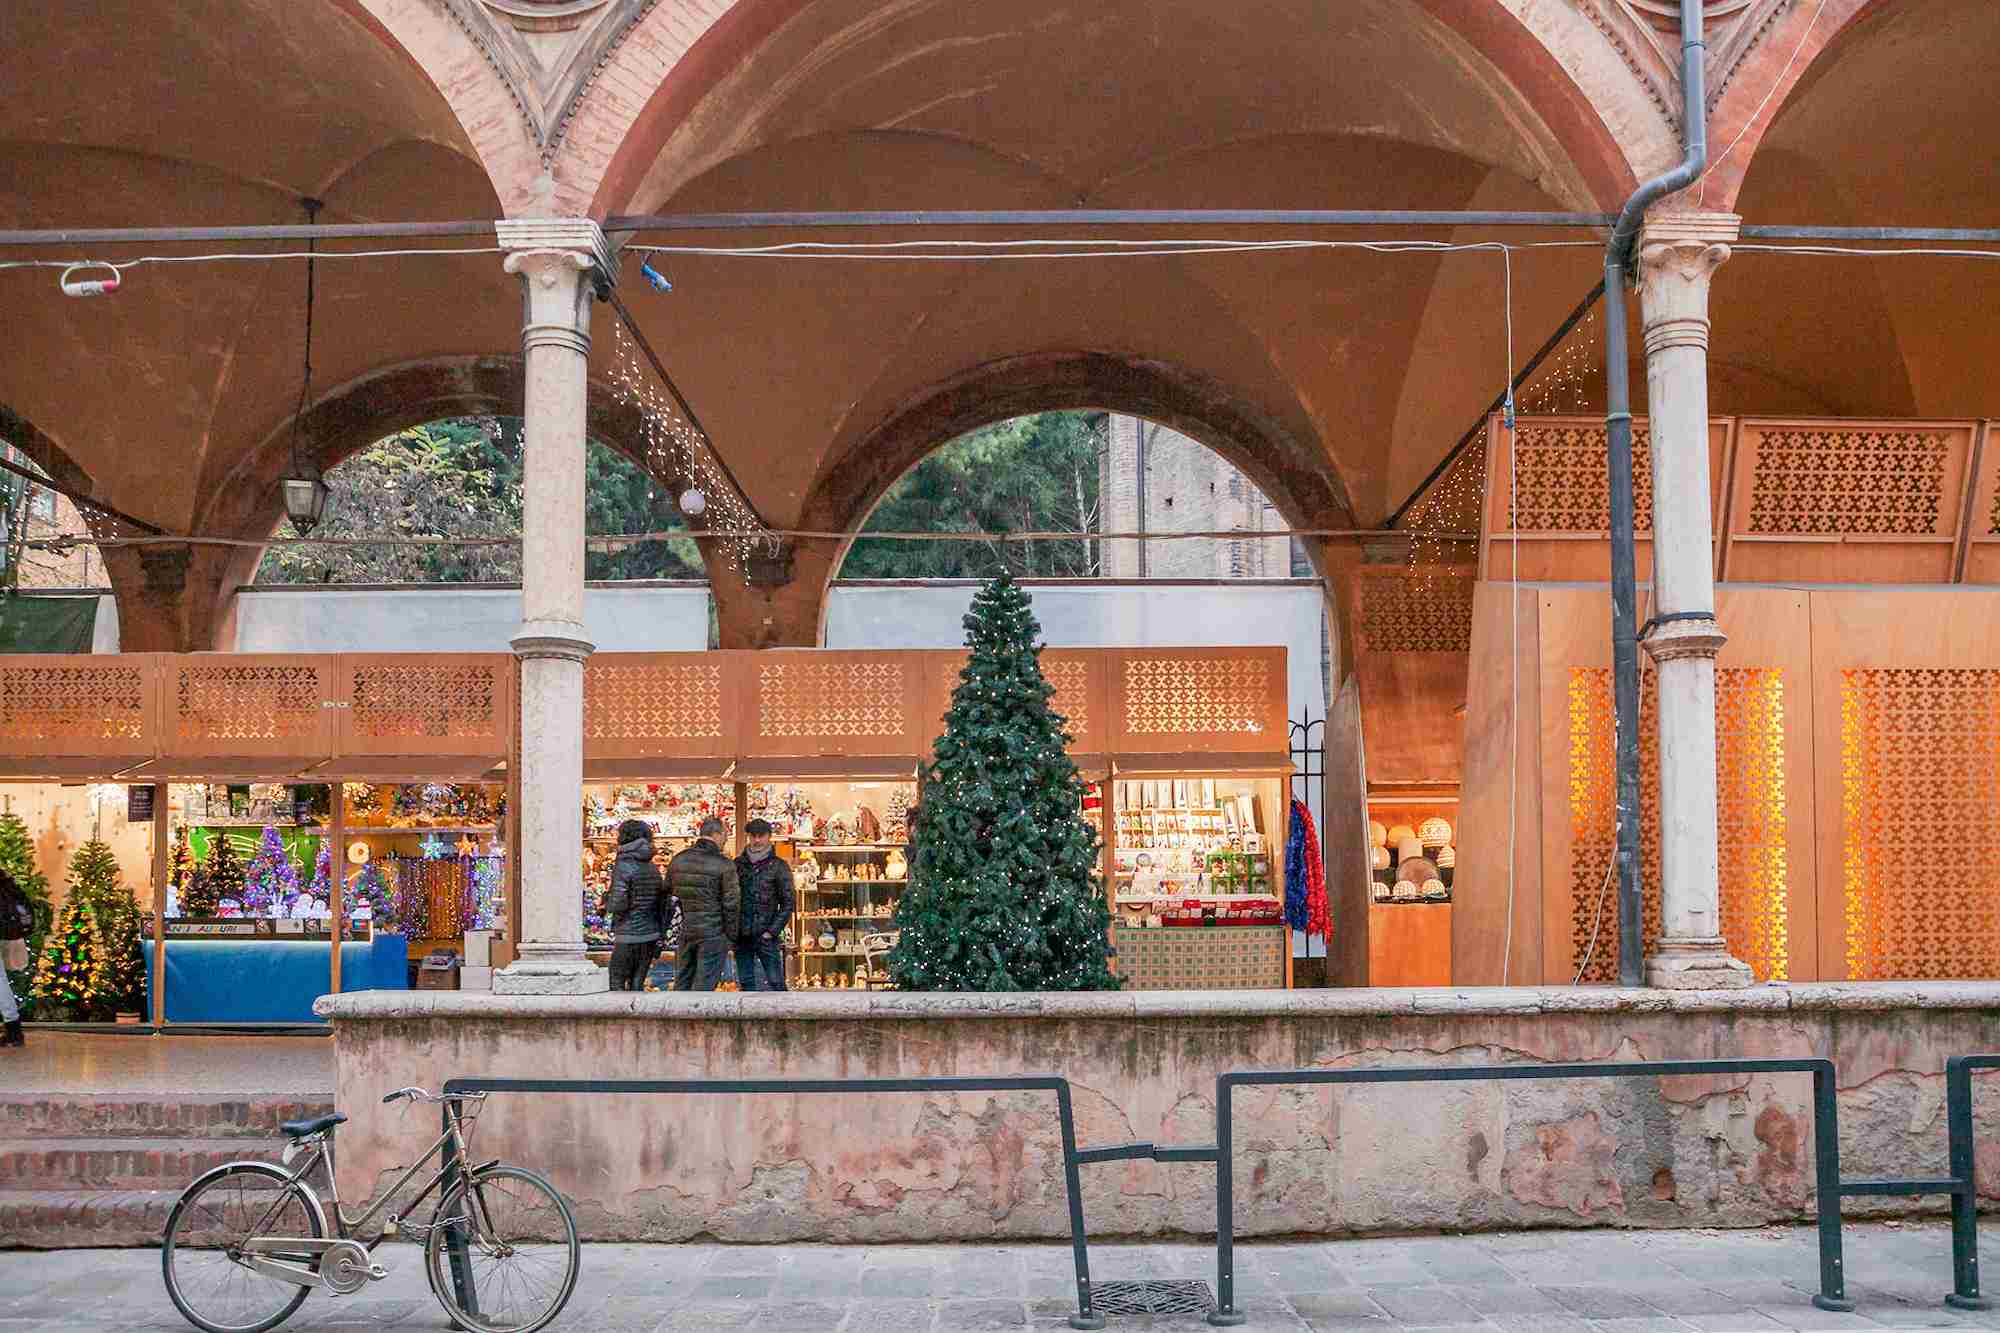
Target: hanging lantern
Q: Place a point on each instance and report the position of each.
(305, 501)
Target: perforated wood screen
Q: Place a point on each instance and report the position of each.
(1765, 799)
(1412, 654)
(1844, 502)
(436, 704)
(1981, 556)
(249, 709)
(820, 702)
(645, 708)
(1550, 488)
(101, 712)
(1079, 676)
(1229, 700)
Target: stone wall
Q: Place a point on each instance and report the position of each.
(1384, 1158)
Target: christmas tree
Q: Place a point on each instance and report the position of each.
(95, 882)
(181, 873)
(71, 979)
(17, 858)
(1004, 889)
(371, 889)
(221, 878)
(321, 887)
(272, 881)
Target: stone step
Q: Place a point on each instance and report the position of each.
(64, 1164)
(134, 1115)
(67, 1219)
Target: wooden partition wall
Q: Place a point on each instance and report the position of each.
(1858, 764)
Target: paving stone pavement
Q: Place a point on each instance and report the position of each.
(1544, 1281)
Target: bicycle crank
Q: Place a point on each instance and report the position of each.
(342, 1267)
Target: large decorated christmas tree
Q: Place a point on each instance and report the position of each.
(17, 858)
(221, 879)
(1004, 890)
(95, 882)
(271, 881)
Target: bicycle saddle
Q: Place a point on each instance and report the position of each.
(298, 1129)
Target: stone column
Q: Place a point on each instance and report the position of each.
(1678, 254)
(555, 260)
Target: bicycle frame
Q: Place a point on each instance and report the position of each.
(261, 1250)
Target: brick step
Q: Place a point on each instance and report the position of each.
(67, 1219)
(131, 1115)
(144, 1164)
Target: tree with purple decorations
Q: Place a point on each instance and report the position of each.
(270, 881)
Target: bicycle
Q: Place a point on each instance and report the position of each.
(248, 1241)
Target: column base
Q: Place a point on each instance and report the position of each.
(552, 974)
(1697, 965)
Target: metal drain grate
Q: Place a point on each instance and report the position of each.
(1164, 1296)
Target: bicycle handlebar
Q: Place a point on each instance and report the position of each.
(419, 1095)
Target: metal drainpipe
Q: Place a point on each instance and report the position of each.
(1618, 426)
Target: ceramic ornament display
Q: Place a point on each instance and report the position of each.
(1377, 835)
(1434, 832)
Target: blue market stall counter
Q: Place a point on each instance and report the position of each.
(264, 977)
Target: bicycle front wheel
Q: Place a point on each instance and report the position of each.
(502, 1256)
(202, 1253)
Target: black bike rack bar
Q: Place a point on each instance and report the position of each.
(1086, 1316)
(1964, 1178)
(1826, 1140)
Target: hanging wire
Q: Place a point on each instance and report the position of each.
(312, 208)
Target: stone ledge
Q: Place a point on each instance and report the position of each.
(389, 1006)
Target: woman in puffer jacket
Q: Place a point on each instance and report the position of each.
(634, 903)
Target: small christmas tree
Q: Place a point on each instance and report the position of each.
(271, 882)
(96, 883)
(181, 873)
(321, 887)
(70, 978)
(1004, 888)
(221, 878)
(371, 889)
(17, 858)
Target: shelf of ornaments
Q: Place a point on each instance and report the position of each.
(816, 848)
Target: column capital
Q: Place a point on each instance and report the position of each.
(1678, 254)
(1674, 640)
(580, 236)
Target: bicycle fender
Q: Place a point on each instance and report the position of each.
(312, 1195)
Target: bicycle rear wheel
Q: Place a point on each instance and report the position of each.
(200, 1256)
(518, 1252)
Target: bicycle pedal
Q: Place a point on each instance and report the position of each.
(376, 1272)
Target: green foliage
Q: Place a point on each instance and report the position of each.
(1031, 474)
(1004, 888)
(221, 878)
(96, 883)
(17, 856)
(461, 477)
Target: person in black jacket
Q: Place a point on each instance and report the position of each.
(768, 903)
(635, 906)
(703, 881)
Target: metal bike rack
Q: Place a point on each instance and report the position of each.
(1961, 1184)
(1826, 1142)
(1086, 1316)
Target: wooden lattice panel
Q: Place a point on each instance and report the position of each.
(426, 703)
(1817, 481)
(644, 704)
(1195, 698)
(1562, 477)
(1920, 811)
(240, 704)
(1206, 958)
(1416, 610)
(825, 702)
(1076, 674)
(53, 705)
(1750, 814)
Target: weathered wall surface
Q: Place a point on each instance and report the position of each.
(1674, 1152)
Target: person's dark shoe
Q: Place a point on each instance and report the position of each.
(14, 1036)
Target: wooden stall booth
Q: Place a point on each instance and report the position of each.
(244, 756)
(825, 745)
(1858, 751)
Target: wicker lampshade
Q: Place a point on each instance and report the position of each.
(1446, 857)
(1434, 888)
(1401, 834)
(1434, 832)
(1377, 835)
(1378, 856)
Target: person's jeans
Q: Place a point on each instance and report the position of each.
(629, 963)
(699, 966)
(754, 950)
(10, 1008)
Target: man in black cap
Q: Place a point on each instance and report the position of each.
(768, 903)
